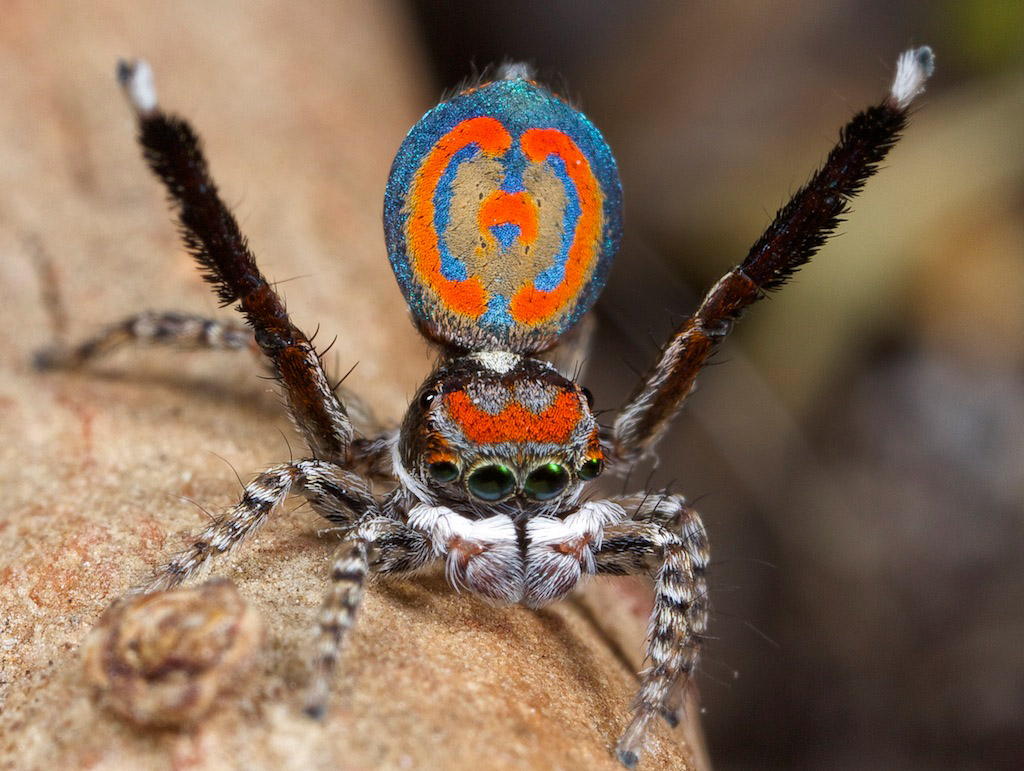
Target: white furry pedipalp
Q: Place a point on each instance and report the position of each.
(481, 555)
(561, 551)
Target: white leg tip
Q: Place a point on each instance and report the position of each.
(912, 71)
(136, 79)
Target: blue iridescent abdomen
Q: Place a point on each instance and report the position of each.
(502, 214)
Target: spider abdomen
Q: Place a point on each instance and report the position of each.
(502, 213)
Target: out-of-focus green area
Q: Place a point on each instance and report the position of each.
(858, 452)
(991, 32)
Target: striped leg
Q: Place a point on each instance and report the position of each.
(336, 494)
(188, 332)
(695, 541)
(667, 538)
(379, 545)
(150, 328)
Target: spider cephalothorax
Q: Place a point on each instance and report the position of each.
(497, 427)
(497, 447)
(502, 213)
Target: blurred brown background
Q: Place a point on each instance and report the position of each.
(859, 454)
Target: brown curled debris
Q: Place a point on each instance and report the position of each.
(162, 659)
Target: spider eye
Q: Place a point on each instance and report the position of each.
(491, 483)
(427, 398)
(588, 396)
(443, 471)
(546, 482)
(591, 469)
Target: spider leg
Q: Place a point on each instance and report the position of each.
(371, 456)
(379, 545)
(337, 494)
(799, 229)
(211, 233)
(184, 331)
(665, 538)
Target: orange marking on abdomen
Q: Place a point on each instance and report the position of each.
(467, 297)
(515, 423)
(531, 305)
(503, 208)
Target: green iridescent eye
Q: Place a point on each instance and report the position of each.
(591, 469)
(491, 483)
(443, 471)
(546, 482)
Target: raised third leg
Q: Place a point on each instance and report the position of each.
(211, 233)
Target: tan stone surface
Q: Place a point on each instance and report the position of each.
(162, 660)
(301, 106)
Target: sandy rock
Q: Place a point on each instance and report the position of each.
(162, 660)
(301, 106)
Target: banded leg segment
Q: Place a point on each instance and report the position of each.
(150, 328)
(371, 456)
(665, 538)
(349, 567)
(336, 494)
(211, 233)
(799, 229)
(379, 545)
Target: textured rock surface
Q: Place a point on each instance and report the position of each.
(163, 659)
(301, 106)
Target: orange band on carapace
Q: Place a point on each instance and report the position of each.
(467, 297)
(531, 305)
(515, 423)
(502, 208)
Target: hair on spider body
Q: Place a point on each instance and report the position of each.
(502, 214)
(505, 410)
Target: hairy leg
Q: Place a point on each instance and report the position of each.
(799, 229)
(211, 233)
(371, 456)
(337, 494)
(378, 545)
(666, 539)
(184, 331)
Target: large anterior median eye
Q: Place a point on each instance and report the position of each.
(491, 483)
(546, 482)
